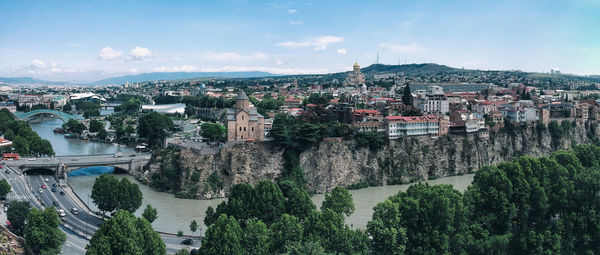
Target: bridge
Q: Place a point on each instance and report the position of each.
(65, 164)
(65, 117)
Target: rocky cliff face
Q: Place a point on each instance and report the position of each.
(332, 164)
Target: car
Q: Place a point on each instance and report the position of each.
(187, 241)
(40, 191)
(74, 210)
(44, 186)
(74, 159)
(55, 203)
(62, 193)
(54, 185)
(53, 189)
(132, 155)
(31, 159)
(1, 167)
(46, 180)
(8, 172)
(61, 212)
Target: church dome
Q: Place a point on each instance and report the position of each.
(356, 64)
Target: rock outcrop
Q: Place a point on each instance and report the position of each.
(331, 164)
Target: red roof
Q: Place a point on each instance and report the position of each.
(367, 111)
(293, 100)
(413, 118)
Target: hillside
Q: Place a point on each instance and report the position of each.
(411, 69)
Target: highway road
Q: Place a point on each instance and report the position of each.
(83, 223)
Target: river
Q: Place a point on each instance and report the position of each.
(175, 214)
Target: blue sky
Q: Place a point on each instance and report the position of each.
(88, 40)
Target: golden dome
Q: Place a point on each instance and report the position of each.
(356, 64)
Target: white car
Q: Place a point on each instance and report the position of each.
(47, 180)
(61, 213)
(40, 191)
(75, 211)
(31, 159)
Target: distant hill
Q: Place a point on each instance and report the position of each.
(28, 80)
(411, 69)
(178, 76)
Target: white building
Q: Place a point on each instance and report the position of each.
(399, 126)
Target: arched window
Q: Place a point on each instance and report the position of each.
(244, 129)
(242, 117)
(252, 129)
(240, 128)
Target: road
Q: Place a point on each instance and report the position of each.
(82, 222)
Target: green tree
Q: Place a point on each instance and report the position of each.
(110, 194)
(4, 188)
(102, 134)
(213, 131)
(16, 214)
(42, 234)
(407, 97)
(67, 108)
(389, 237)
(299, 203)
(306, 248)
(74, 126)
(256, 238)
(130, 196)
(223, 237)
(269, 202)
(150, 213)
(96, 126)
(21, 145)
(193, 226)
(286, 231)
(154, 127)
(340, 201)
(9, 135)
(125, 234)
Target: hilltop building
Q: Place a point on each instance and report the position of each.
(244, 123)
(355, 78)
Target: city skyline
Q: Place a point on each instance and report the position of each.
(81, 41)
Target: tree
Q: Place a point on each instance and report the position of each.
(125, 234)
(299, 203)
(21, 145)
(407, 97)
(150, 213)
(154, 127)
(74, 126)
(67, 108)
(389, 237)
(340, 201)
(286, 231)
(193, 226)
(4, 188)
(223, 237)
(213, 131)
(110, 194)
(96, 126)
(16, 215)
(306, 248)
(102, 134)
(42, 233)
(256, 238)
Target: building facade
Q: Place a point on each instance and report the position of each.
(244, 123)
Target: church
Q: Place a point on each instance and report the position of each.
(244, 123)
(355, 78)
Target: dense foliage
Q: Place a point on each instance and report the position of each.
(150, 213)
(280, 218)
(96, 126)
(125, 234)
(25, 140)
(88, 108)
(130, 105)
(16, 214)
(154, 127)
(74, 126)
(110, 194)
(4, 188)
(527, 206)
(42, 233)
(214, 131)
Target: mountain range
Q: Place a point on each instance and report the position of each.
(407, 69)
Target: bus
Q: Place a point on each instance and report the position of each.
(10, 156)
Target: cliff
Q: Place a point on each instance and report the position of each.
(342, 163)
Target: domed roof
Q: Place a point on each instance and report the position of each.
(356, 64)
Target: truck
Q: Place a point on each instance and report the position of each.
(118, 154)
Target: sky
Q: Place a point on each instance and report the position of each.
(90, 40)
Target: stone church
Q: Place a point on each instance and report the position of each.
(244, 123)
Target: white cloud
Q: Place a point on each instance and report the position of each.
(139, 53)
(279, 62)
(292, 10)
(413, 48)
(272, 70)
(320, 42)
(342, 51)
(108, 53)
(134, 70)
(232, 56)
(296, 22)
(36, 63)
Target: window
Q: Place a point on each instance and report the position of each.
(244, 128)
(240, 129)
(252, 129)
(242, 117)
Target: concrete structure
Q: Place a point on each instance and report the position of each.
(244, 123)
(165, 108)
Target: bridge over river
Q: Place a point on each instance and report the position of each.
(65, 117)
(62, 165)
